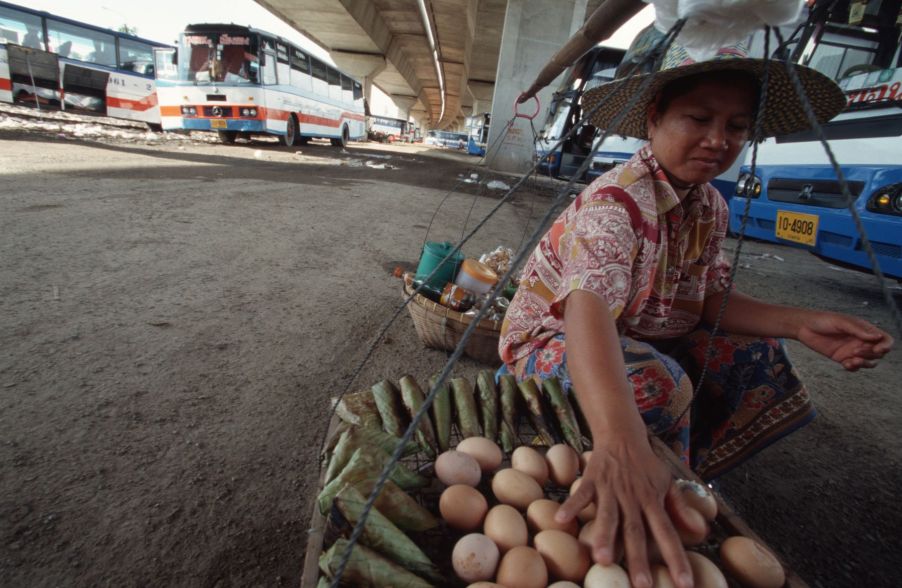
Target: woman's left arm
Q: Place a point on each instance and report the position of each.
(852, 342)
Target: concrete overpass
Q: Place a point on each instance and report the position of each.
(391, 44)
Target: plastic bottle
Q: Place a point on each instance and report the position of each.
(451, 295)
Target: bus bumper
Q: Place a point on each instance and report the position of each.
(231, 124)
(837, 238)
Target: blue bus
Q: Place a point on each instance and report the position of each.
(596, 66)
(478, 133)
(794, 197)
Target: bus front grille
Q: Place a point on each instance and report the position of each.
(822, 193)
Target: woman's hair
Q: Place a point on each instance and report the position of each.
(682, 86)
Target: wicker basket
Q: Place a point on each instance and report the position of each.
(440, 327)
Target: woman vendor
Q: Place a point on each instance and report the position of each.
(619, 298)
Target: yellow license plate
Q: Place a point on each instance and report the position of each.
(797, 226)
(219, 124)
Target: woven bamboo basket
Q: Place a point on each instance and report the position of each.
(440, 327)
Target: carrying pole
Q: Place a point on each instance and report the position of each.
(604, 22)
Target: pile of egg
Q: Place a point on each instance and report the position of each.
(497, 552)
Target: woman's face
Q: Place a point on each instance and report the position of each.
(700, 134)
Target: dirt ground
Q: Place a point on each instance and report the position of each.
(175, 317)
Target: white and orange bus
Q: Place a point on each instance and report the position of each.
(237, 80)
(50, 61)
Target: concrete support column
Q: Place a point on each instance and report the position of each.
(533, 31)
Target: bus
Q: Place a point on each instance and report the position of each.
(384, 128)
(795, 197)
(447, 139)
(237, 80)
(596, 66)
(478, 133)
(54, 62)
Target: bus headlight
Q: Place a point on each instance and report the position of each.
(748, 186)
(249, 112)
(887, 200)
(189, 111)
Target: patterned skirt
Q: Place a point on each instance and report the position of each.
(750, 397)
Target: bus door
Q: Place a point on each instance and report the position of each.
(84, 88)
(34, 75)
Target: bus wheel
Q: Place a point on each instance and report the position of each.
(291, 132)
(155, 127)
(227, 137)
(343, 141)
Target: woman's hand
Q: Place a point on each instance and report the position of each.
(634, 497)
(852, 342)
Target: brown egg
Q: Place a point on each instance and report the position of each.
(563, 464)
(485, 451)
(455, 467)
(529, 461)
(540, 517)
(699, 497)
(660, 577)
(515, 488)
(463, 507)
(522, 567)
(751, 563)
(475, 558)
(566, 558)
(505, 526)
(588, 512)
(563, 584)
(485, 585)
(612, 576)
(704, 572)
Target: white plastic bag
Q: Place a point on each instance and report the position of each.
(712, 24)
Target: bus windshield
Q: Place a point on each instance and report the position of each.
(210, 57)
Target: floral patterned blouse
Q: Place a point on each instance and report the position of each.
(629, 239)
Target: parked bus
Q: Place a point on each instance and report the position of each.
(384, 128)
(234, 79)
(795, 196)
(61, 63)
(447, 139)
(595, 67)
(478, 133)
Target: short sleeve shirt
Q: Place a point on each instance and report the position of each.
(631, 240)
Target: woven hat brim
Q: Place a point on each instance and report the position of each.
(783, 111)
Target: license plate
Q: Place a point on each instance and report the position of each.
(797, 226)
(219, 124)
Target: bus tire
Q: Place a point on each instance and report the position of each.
(292, 132)
(227, 137)
(343, 140)
(155, 127)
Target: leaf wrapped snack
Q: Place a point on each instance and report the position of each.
(564, 412)
(465, 404)
(530, 393)
(441, 414)
(412, 397)
(508, 425)
(388, 404)
(488, 403)
(367, 569)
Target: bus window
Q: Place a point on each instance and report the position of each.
(80, 43)
(299, 61)
(347, 92)
(21, 28)
(300, 70)
(284, 69)
(334, 79)
(136, 56)
(358, 91)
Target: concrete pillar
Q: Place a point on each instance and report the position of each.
(533, 31)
